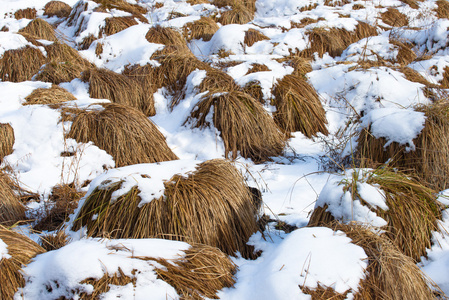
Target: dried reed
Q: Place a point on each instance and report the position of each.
(123, 132)
(26, 13)
(166, 36)
(117, 24)
(54, 241)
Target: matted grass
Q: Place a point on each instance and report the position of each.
(442, 9)
(54, 241)
(11, 209)
(429, 161)
(117, 24)
(20, 64)
(22, 250)
(412, 3)
(254, 89)
(255, 67)
(253, 36)
(203, 28)
(298, 107)
(166, 36)
(39, 29)
(218, 81)
(211, 206)
(52, 95)
(26, 13)
(135, 10)
(405, 53)
(242, 11)
(123, 132)
(57, 8)
(245, 126)
(106, 84)
(7, 140)
(412, 213)
(394, 18)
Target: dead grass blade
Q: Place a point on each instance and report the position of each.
(22, 250)
(245, 126)
(54, 241)
(211, 206)
(123, 132)
(298, 107)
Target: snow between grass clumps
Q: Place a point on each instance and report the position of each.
(4, 250)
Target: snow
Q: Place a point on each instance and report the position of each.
(4, 250)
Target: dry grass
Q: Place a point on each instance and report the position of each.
(244, 125)
(203, 28)
(86, 42)
(241, 12)
(394, 18)
(218, 81)
(64, 199)
(26, 13)
(335, 40)
(123, 132)
(39, 29)
(166, 36)
(255, 67)
(300, 64)
(7, 140)
(20, 64)
(53, 95)
(298, 107)
(412, 213)
(323, 292)
(199, 274)
(253, 36)
(106, 84)
(412, 3)
(54, 241)
(430, 160)
(390, 274)
(445, 82)
(117, 24)
(57, 8)
(442, 9)
(22, 250)
(405, 53)
(135, 10)
(254, 89)
(211, 206)
(414, 76)
(11, 209)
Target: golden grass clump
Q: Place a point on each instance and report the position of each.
(323, 292)
(335, 40)
(253, 36)
(445, 82)
(200, 273)
(52, 95)
(64, 199)
(86, 42)
(20, 64)
(106, 84)
(405, 53)
(390, 273)
(245, 126)
(298, 107)
(412, 213)
(135, 10)
(412, 3)
(22, 250)
(430, 159)
(11, 209)
(117, 24)
(203, 28)
(254, 89)
(255, 67)
(211, 206)
(123, 132)
(242, 11)
(394, 18)
(57, 8)
(39, 29)
(7, 140)
(218, 81)
(54, 241)
(26, 13)
(166, 36)
(442, 9)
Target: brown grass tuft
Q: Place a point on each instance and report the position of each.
(203, 28)
(20, 64)
(253, 36)
(123, 132)
(445, 82)
(394, 18)
(298, 107)
(86, 42)
(135, 10)
(218, 81)
(430, 160)
(52, 95)
(255, 67)
(64, 199)
(323, 292)
(412, 3)
(405, 53)
(11, 210)
(22, 250)
(390, 274)
(239, 14)
(117, 24)
(244, 125)
(200, 273)
(57, 8)
(39, 29)
(211, 206)
(300, 64)
(254, 89)
(106, 84)
(414, 76)
(54, 241)
(442, 9)
(27, 13)
(166, 36)
(335, 40)
(7, 140)
(412, 213)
